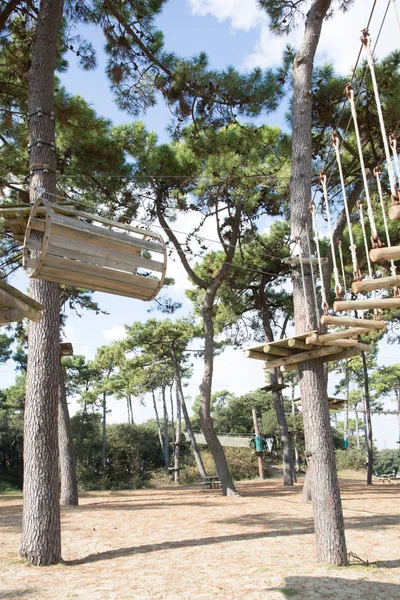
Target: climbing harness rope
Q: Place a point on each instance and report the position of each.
(324, 303)
(342, 267)
(377, 174)
(338, 287)
(366, 41)
(371, 275)
(393, 146)
(376, 243)
(356, 270)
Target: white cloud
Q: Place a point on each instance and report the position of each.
(340, 39)
(117, 332)
(242, 14)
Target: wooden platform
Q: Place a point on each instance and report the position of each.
(289, 352)
(335, 404)
(16, 306)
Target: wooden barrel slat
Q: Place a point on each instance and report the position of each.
(100, 288)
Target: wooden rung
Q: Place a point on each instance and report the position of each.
(382, 283)
(342, 343)
(314, 338)
(298, 344)
(387, 303)
(295, 260)
(302, 356)
(350, 322)
(394, 212)
(364, 347)
(385, 254)
(273, 349)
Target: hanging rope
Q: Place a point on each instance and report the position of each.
(366, 41)
(353, 247)
(324, 303)
(375, 241)
(303, 281)
(313, 279)
(393, 145)
(342, 266)
(371, 276)
(377, 174)
(338, 287)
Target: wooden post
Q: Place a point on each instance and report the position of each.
(385, 303)
(257, 432)
(351, 322)
(380, 283)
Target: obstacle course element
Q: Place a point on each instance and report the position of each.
(74, 248)
(230, 441)
(15, 306)
(335, 404)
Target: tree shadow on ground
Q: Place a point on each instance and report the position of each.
(388, 564)
(321, 588)
(26, 593)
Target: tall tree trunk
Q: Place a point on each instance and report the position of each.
(368, 419)
(130, 409)
(398, 414)
(346, 414)
(69, 483)
(165, 432)
(104, 435)
(160, 435)
(41, 535)
(327, 508)
(213, 443)
(171, 401)
(257, 434)
(306, 494)
(193, 443)
(357, 431)
(177, 448)
(296, 450)
(275, 379)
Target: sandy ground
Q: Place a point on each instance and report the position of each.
(194, 544)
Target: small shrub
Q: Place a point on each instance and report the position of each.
(352, 458)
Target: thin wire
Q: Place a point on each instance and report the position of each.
(371, 276)
(397, 15)
(380, 194)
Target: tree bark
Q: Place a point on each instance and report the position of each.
(104, 434)
(306, 494)
(275, 379)
(69, 483)
(193, 443)
(327, 508)
(368, 419)
(346, 414)
(171, 399)
(160, 436)
(357, 431)
(165, 429)
(41, 535)
(228, 488)
(177, 448)
(259, 454)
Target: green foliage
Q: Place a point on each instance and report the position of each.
(243, 464)
(387, 460)
(352, 458)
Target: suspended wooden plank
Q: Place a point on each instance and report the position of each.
(351, 322)
(378, 255)
(83, 250)
(15, 306)
(394, 212)
(382, 303)
(66, 349)
(381, 283)
(295, 260)
(316, 338)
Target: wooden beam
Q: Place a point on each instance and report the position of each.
(384, 254)
(259, 355)
(351, 322)
(314, 338)
(295, 260)
(275, 349)
(11, 315)
(344, 355)
(394, 212)
(366, 304)
(364, 347)
(342, 343)
(381, 283)
(298, 344)
(302, 356)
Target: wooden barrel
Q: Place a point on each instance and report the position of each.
(74, 248)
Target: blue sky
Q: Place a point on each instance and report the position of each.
(231, 32)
